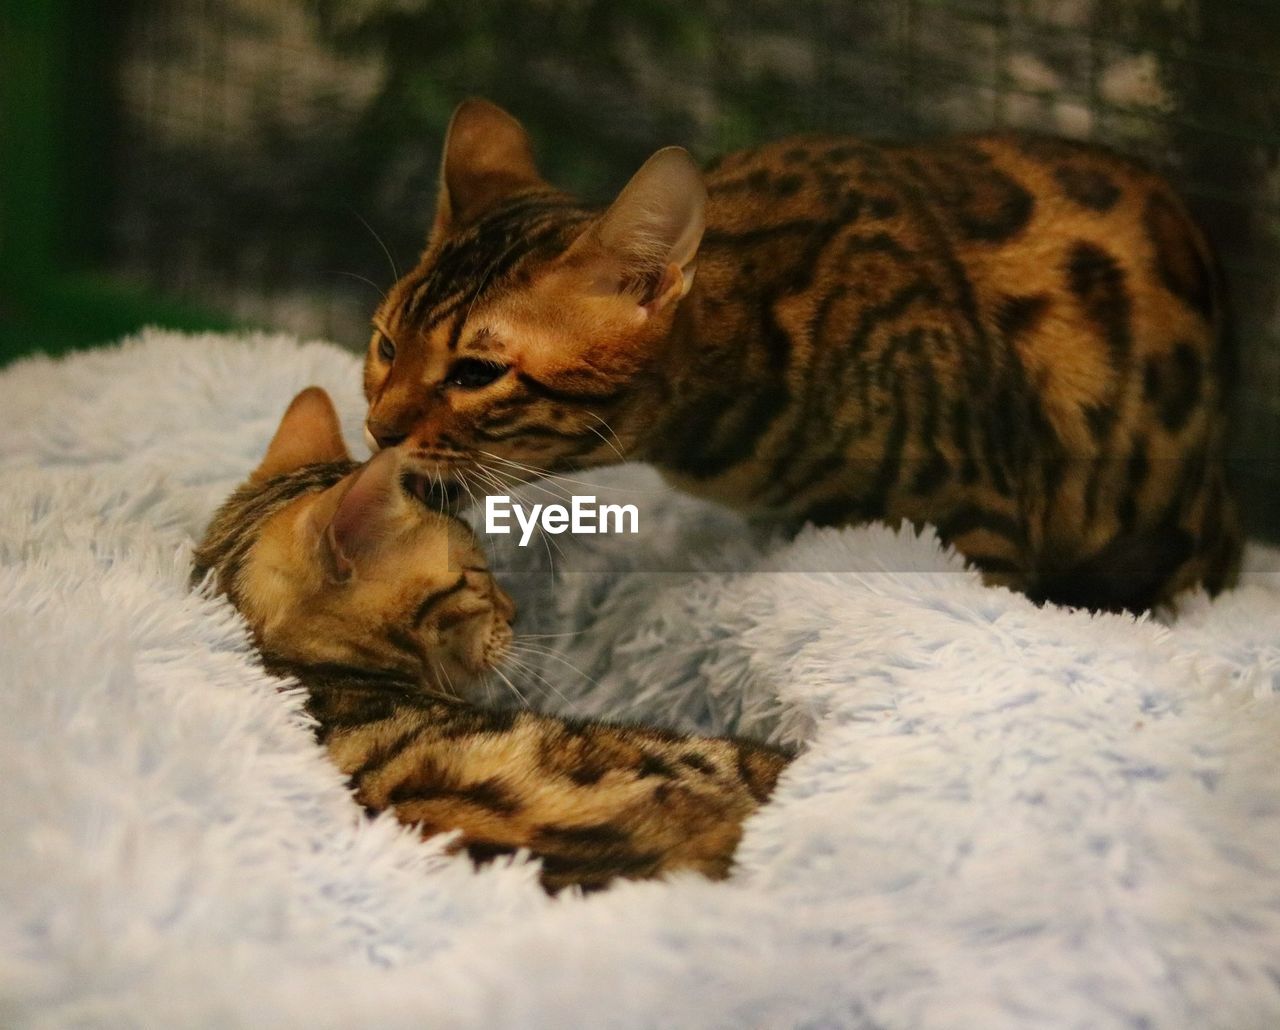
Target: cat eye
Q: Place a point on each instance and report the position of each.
(473, 373)
(386, 349)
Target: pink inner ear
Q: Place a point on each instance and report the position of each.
(308, 432)
(364, 514)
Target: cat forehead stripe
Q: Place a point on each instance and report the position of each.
(483, 257)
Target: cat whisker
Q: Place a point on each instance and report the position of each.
(449, 680)
(547, 474)
(487, 478)
(514, 689)
(382, 294)
(547, 541)
(522, 668)
(502, 481)
(443, 673)
(510, 480)
(395, 273)
(522, 466)
(617, 444)
(497, 484)
(438, 487)
(511, 483)
(462, 481)
(488, 482)
(607, 442)
(523, 648)
(536, 471)
(530, 671)
(439, 695)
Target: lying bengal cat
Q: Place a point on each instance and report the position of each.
(1014, 338)
(384, 612)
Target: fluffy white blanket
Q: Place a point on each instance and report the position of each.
(1004, 816)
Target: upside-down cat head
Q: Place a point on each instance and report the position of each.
(333, 563)
(529, 333)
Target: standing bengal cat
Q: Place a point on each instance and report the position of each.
(382, 609)
(1014, 338)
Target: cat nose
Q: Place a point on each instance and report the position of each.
(378, 438)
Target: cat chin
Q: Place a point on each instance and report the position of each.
(459, 667)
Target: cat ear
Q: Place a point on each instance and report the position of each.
(364, 515)
(487, 156)
(647, 242)
(309, 432)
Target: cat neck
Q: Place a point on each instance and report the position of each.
(333, 688)
(702, 373)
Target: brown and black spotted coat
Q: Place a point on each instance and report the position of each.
(1017, 339)
(1014, 338)
(593, 801)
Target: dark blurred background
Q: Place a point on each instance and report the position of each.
(265, 163)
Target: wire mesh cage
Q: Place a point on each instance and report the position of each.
(277, 160)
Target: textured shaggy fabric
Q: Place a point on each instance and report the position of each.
(1003, 816)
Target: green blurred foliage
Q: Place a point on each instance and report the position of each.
(598, 84)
